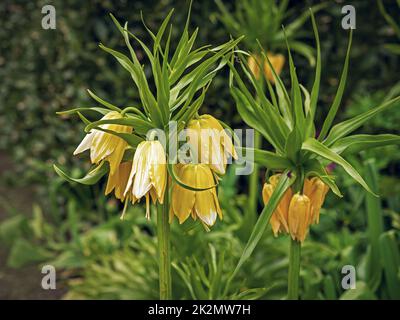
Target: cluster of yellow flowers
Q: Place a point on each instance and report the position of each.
(296, 212)
(146, 175)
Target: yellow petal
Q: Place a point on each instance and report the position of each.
(277, 62)
(183, 199)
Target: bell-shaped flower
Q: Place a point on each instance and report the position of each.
(148, 175)
(213, 146)
(202, 204)
(104, 145)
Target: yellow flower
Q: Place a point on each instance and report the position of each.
(119, 180)
(200, 204)
(212, 144)
(279, 218)
(316, 190)
(148, 176)
(277, 61)
(105, 145)
(299, 216)
(253, 62)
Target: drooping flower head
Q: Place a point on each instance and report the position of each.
(148, 175)
(106, 146)
(211, 142)
(198, 204)
(295, 213)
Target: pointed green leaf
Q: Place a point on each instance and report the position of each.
(320, 149)
(339, 94)
(90, 178)
(344, 128)
(284, 183)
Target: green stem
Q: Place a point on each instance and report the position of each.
(294, 269)
(253, 187)
(163, 234)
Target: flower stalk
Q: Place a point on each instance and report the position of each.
(164, 259)
(294, 269)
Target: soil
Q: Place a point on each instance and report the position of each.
(23, 283)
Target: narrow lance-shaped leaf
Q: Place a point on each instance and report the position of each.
(297, 103)
(267, 159)
(339, 94)
(103, 102)
(344, 128)
(317, 80)
(92, 177)
(356, 143)
(284, 183)
(318, 148)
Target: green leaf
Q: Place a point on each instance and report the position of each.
(24, 253)
(344, 128)
(293, 145)
(297, 103)
(375, 227)
(267, 159)
(139, 125)
(339, 94)
(90, 178)
(103, 102)
(359, 142)
(320, 149)
(284, 183)
(102, 111)
(317, 80)
(389, 250)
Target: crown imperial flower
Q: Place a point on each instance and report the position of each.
(148, 175)
(213, 145)
(202, 204)
(106, 146)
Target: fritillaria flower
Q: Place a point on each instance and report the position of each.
(198, 204)
(106, 146)
(212, 144)
(308, 205)
(148, 175)
(277, 61)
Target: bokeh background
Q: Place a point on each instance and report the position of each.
(45, 220)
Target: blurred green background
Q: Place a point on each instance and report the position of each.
(44, 220)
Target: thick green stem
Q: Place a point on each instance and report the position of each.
(163, 234)
(294, 269)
